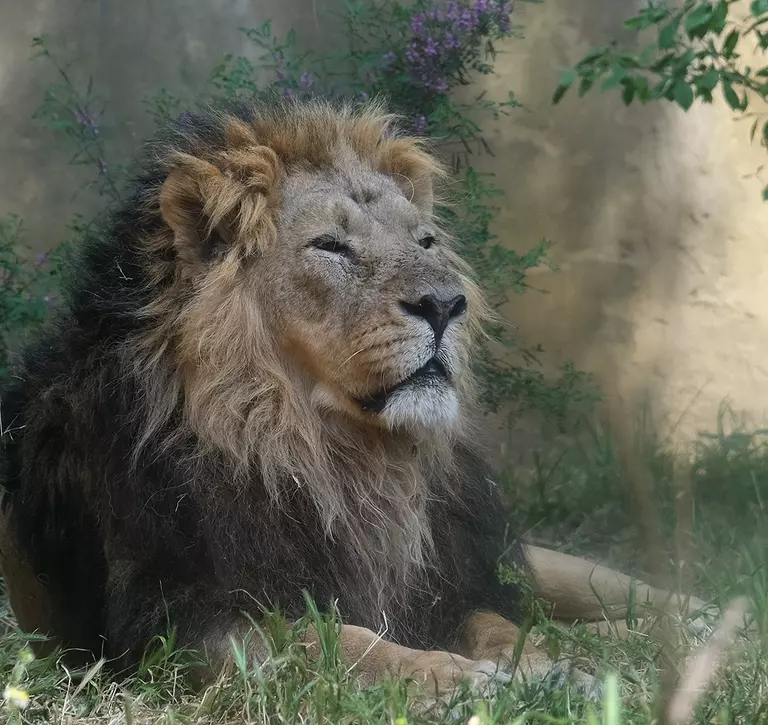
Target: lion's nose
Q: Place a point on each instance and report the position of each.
(436, 311)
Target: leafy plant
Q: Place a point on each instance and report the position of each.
(415, 55)
(28, 285)
(699, 47)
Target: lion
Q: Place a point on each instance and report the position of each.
(259, 387)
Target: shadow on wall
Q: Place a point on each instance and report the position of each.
(132, 49)
(648, 206)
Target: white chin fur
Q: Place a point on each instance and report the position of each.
(422, 407)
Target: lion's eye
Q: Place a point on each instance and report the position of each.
(427, 241)
(329, 243)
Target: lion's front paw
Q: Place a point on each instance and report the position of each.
(564, 674)
(536, 665)
(442, 672)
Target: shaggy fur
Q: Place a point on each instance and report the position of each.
(249, 394)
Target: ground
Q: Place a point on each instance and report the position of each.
(573, 496)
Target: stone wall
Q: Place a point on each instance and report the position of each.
(657, 215)
(659, 225)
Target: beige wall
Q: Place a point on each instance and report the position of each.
(657, 215)
(132, 48)
(659, 224)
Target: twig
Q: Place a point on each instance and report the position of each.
(702, 666)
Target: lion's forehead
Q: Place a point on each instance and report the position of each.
(341, 196)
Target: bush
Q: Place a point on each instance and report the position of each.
(697, 48)
(415, 56)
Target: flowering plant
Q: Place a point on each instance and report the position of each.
(415, 55)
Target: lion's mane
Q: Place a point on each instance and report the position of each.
(161, 463)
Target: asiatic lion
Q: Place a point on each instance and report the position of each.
(260, 385)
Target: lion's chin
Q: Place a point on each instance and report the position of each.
(422, 408)
(424, 402)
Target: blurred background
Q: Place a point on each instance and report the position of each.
(623, 245)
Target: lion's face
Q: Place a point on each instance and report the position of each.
(367, 300)
(308, 273)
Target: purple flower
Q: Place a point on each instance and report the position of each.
(448, 32)
(502, 17)
(468, 19)
(288, 93)
(389, 57)
(417, 24)
(363, 96)
(306, 80)
(41, 259)
(420, 125)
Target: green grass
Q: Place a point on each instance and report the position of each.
(575, 497)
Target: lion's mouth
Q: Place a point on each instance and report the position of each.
(432, 370)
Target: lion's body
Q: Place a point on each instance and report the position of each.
(118, 545)
(259, 387)
(186, 529)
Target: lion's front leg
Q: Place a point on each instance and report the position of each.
(488, 636)
(369, 658)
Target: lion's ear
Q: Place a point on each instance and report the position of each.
(210, 206)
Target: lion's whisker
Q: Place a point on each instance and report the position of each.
(348, 359)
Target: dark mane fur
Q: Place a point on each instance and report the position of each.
(125, 536)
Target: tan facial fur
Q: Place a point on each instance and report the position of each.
(277, 318)
(344, 315)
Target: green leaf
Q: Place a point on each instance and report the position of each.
(683, 94)
(614, 79)
(708, 81)
(730, 43)
(593, 54)
(668, 34)
(731, 96)
(697, 22)
(585, 85)
(765, 134)
(628, 94)
(765, 194)
(759, 7)
(660, 89)
(639, 22)
(565, 83)
(719, 16)
(642, 88)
